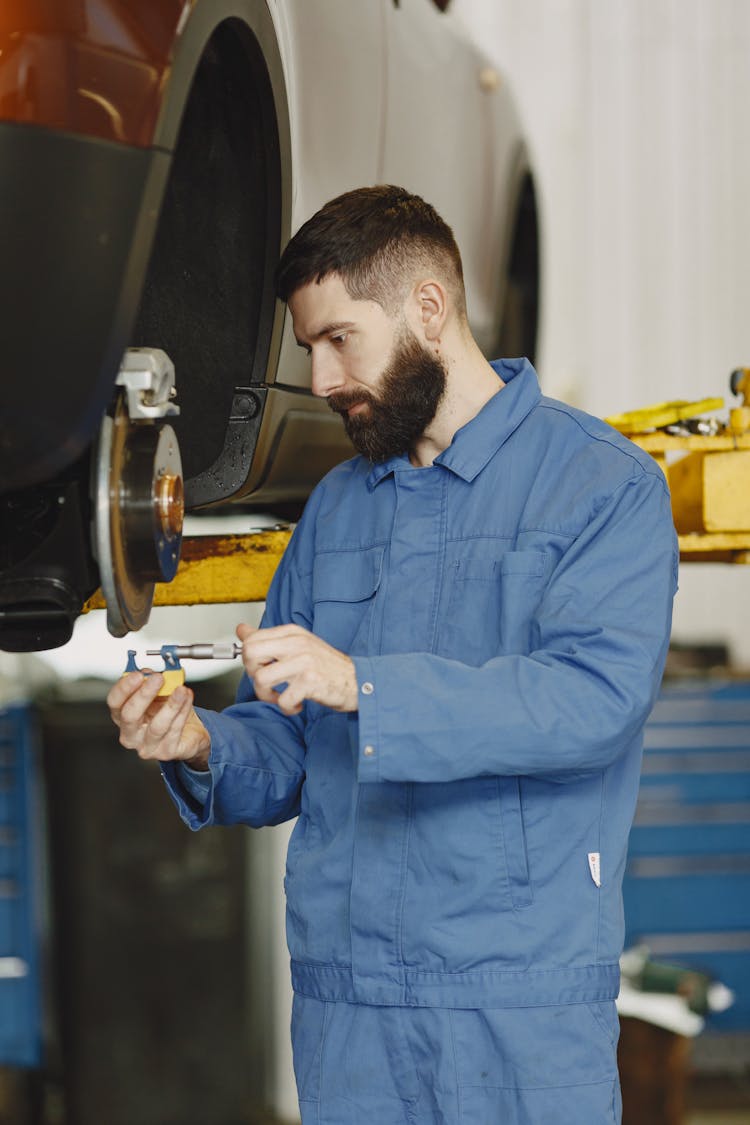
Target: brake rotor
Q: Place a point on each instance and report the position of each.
(139, 509)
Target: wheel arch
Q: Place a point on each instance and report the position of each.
(207, 296)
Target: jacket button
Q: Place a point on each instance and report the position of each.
(367, 688)
(369, 751)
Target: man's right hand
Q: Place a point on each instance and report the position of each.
(166, 729)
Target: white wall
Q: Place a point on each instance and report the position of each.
(638, 114)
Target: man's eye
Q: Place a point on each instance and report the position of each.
(339, 340)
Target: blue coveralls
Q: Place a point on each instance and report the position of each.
(454, 910)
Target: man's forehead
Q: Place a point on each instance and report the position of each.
(322, 303)
(317, 293)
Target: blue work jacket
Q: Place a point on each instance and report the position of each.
(460, 840)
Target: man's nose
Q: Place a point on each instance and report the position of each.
(326, 376)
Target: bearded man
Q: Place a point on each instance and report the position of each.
(459, 652)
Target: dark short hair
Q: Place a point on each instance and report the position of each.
(376, 239)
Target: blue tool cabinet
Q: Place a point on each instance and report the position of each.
(20, 999)
(687, 881)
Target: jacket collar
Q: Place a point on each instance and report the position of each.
(476, 442)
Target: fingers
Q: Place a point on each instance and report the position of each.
(151, 726)
(294, 674)
(289, 665)
(129, 698)
(123, 689)
(263, 646)
(268, 676)
(291, 700)
(161, 737)
(277, 656)
(131, 713)
(162, 720)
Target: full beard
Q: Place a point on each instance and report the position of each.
(409, 392)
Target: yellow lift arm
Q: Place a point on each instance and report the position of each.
(216, 569)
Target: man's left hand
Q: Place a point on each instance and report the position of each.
(307, 666)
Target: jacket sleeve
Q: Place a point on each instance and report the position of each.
(256, 765)
(576, 701)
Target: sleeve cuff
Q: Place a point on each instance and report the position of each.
(369, 747)
(192, 790)
(196, 782)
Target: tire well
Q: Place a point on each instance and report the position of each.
(208, 298)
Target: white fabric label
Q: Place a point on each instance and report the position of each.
(594, 868)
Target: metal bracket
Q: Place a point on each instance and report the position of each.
(147, 374)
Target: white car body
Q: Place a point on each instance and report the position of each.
(398, 93)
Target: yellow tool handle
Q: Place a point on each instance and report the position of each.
(173, 677)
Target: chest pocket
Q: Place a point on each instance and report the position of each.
(344, 586)
(491, 604)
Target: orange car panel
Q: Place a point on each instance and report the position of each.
(96, 68)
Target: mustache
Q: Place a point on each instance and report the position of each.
(344, 400)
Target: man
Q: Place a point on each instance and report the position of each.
(459, 652)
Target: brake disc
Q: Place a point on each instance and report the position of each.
(139, 508)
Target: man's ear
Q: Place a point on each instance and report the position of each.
(431, 300)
